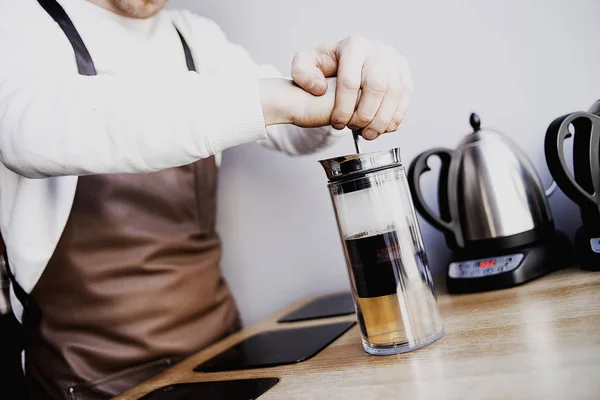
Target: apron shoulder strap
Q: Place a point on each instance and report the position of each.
(189, 60)
(85, 64)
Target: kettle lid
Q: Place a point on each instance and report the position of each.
(475, 122)
(479, 134)
(595, 108)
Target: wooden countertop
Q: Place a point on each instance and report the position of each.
(536, 341)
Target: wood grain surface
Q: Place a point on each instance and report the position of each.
(540, 340)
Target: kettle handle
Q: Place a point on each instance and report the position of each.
(587, 169)
(417, 168)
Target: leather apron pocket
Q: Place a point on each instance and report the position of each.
(114, 384)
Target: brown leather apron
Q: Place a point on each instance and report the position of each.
(134, 282)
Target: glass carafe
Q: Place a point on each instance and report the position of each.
(392, 287)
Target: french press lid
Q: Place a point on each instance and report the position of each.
(353, 165)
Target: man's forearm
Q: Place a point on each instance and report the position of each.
(283, 102)
(273, 95)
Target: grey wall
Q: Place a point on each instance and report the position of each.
(519, 64)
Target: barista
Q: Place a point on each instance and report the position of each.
(113, 114)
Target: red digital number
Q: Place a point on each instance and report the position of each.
(487, 263)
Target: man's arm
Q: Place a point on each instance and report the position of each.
(234, 60)
(374, 93)
(59, 123)
(73, 125)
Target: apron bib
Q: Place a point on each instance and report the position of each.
(134, 283)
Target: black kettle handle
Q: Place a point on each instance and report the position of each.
(587, 169)
(417, 168)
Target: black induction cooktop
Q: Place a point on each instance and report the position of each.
(333, 305)
(241, 389)
(273, 348)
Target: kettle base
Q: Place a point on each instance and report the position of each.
(510, 267)
(587, 251)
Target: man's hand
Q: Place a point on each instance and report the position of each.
(374, 83)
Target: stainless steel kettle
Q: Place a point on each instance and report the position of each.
(489, 194)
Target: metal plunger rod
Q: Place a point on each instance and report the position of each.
(356, 135)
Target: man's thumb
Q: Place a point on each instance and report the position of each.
(307, 74)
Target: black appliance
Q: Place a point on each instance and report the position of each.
(583, 186)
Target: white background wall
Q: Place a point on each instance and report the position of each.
(519, 64)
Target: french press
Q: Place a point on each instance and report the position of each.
(391, 284)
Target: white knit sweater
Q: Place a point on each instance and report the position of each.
(143, 112)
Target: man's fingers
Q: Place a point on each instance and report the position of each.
(399, 114)
(388, 107)
(374, 83)
(352, 54)
(406, 96)
(375, 86)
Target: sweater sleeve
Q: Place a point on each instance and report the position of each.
(54, 124)
(297, 141)
(74, 125)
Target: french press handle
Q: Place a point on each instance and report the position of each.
(584, 188)
(446, 198)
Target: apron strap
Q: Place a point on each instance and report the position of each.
(85, 64)
(189, 60)
(32, 315)
(21, 294)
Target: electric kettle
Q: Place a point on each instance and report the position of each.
(493, 212)
(583, 187)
